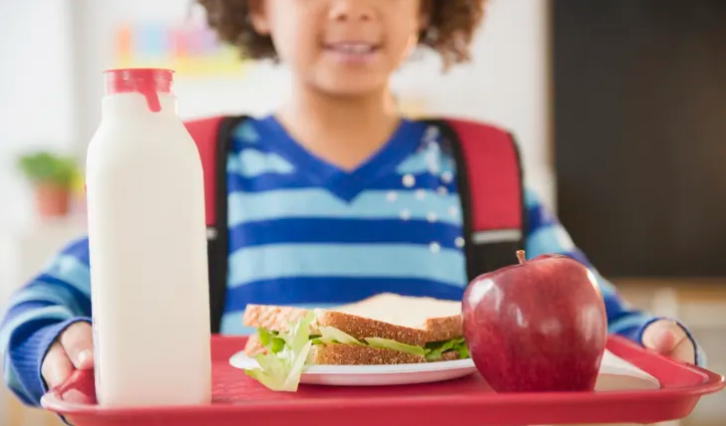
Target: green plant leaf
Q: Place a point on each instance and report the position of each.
(44, 167)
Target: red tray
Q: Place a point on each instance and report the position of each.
(239, 400)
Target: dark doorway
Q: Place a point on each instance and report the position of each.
(640, 122)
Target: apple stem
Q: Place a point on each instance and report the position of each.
(520, 257)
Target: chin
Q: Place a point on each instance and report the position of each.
(348, 91)
(358, 86)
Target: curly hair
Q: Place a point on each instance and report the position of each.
(450, 31)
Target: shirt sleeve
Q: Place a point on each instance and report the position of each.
(38, 313)
(545, 234)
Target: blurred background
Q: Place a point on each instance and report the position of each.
(619, 107)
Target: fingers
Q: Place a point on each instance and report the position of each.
(668, 338)
(77, 340)
(684, 351)
(660, 337)
(57, 367)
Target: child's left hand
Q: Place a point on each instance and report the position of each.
(668, 338)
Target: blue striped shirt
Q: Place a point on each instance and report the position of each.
(304, 232)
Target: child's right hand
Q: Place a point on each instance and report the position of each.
(72, 351)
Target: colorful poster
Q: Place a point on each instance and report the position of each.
(190, 50)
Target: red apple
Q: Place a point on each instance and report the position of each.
(536, 326)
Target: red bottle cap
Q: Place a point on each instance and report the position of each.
(149, 82)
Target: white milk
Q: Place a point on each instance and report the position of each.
(148, 255)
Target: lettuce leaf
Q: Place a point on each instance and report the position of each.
(463, 350)
(271, 340)
(436, 350)
(330, 335)
(376, 342)
(281, 368)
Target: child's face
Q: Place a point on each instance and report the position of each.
(341, 47)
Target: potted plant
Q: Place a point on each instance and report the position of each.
(52, 177)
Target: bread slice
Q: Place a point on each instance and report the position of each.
(410, 320)
(403, 319)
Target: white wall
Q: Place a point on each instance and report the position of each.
(507, 84)
(36, 91)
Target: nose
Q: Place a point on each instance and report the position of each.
(350, 11)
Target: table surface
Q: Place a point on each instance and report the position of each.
(698, 290)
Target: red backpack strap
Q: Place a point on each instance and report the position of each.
(204, 132)
(490, 181)
(213, 137)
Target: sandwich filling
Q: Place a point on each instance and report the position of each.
(287, 352)
(434, 351)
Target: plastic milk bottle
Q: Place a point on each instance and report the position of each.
(148, 253)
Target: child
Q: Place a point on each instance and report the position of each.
(324, 201)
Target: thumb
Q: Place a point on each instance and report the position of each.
(77, 341)
(660, 337)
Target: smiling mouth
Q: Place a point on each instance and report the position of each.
(352, 48)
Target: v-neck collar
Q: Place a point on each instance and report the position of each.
(344, 184)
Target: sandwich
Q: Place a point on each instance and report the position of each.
(383, 329)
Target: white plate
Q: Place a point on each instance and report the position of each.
(615, 373)
(373, 375)
(618, 374)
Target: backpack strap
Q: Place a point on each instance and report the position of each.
(490, 181)
(213, 137)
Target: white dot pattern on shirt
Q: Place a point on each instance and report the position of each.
(431, 133)
(409, 181)
(447, 176)
(432, 158)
